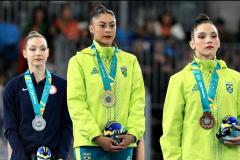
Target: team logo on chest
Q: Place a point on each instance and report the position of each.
(229, 87)
(124, 71)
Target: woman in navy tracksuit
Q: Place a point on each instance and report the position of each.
(35, 107)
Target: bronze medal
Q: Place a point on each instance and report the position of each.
(108, 99)
(207, 120)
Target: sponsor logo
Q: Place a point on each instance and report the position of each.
(24, 89)
(94, 71)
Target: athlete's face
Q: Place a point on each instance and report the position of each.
(103, 28)
(205, 41)
(36, 52)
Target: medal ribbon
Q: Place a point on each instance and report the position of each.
(38, 107)
(107, 79)
(207, 99)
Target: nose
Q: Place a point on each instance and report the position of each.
(108, 29)
(209, 39)
(38, 52)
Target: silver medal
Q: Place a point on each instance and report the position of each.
(38, 123)
(108, 99)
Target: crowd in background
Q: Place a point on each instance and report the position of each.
(161, 46)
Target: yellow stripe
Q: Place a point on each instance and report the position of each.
(77, 153)
(27, 77)
(210, 99)
(111, 78)
(42, 103)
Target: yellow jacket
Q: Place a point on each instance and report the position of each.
(183, 138)
(85, 89)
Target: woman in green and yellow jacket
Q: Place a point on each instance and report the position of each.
(105, 84)
(198, 98)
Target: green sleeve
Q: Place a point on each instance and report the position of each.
(173, 113)
(77, 102)
(136, 120)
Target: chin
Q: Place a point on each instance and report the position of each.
(107, 42)
(38, 64)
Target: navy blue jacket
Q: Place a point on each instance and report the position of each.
(19, 113)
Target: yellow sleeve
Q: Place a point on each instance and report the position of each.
(82, 119)
(173, 113)
(136, 120)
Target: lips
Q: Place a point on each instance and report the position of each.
(107, 36)
(209, 47)
(38, 59)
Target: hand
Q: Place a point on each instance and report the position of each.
(108, 144)
(126, 140)
(233, 141)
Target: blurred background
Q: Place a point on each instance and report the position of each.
(156, 32)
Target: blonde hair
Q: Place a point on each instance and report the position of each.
(33, 34)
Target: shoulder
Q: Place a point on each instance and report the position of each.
(82, 55)
(180, 77)
(14, 83)
(126, 54)
(15, 80)
(182, 73)
(59, 80)
(126, 57)
(84, 52)
(228, 71)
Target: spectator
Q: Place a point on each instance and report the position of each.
(168, 27)
(225, 35)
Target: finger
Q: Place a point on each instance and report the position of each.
(114, 142)
(121, 136)
(116, 148)
(124, 144)
(231, 143)
(235, 139)
(232, 139)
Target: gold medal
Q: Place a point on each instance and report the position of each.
(207, 120)
(108, 99)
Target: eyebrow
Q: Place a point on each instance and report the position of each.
(206, 33)
(37, 46)
(106, 22)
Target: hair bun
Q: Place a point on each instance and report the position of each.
(202, 17)
(99, 7)
(33, 33)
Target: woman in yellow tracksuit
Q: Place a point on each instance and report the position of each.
(105, 84)
(198, 98)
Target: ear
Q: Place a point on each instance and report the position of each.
(24, 53)
(191, 44)
(91, 29)
(48, 52)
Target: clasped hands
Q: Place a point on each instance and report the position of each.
(111, 145)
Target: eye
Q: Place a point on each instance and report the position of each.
(43, 49)
(214, 36)
(201, 36)
(112, 25)
(102, 26)
(32, 49)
